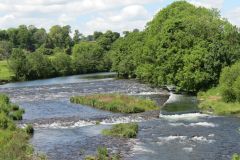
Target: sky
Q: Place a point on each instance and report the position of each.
(98, 15)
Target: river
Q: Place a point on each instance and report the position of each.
(65, 131)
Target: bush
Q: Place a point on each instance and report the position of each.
(14, 141)
(4, 99)
(16, 115)
(29, 129)
(236, 89)
(4, 121)
(236, 157)
(228, 94)
(128, 130)
(62, 64)
(103, 154)
(230, 83)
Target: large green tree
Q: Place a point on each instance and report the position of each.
(60, 36)
(18, 64)
(184, 45)
(88, 57)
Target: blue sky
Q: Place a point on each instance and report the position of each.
(100, 15)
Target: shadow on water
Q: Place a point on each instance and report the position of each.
(180, 104)
(62, 80)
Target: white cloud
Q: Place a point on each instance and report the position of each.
(234, 16)
(130, 17)
(89, 15)
(44, 13)
(208, 3)
(130, 12)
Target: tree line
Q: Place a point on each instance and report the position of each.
(184, 45)
(33, 53)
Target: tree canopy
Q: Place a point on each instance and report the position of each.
(184, 45)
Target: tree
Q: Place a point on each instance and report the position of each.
(97, 34)
(39, 37)
(62, 64)
(77, 37)
(24, 38)
(60, 36)
(126, 53)
(39, 66)
(184, 45)
(18, 64)
(105, 40)
(88, 57)
(5, 49)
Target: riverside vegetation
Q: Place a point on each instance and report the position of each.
(184, 45)
(116, 103)
(103, 154)
(122, 130)
(225, 98)
(13, 140)
(192, 48)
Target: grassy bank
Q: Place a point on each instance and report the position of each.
(5, 73)
(116, 103)
(13, 140)
(211, 102)
(128, 130)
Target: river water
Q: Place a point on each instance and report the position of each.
(65, 131)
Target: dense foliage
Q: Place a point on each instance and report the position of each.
(230, 83)
(116, 103)
(225, 98)
(183, 45)
(14, 141)
(42, 55)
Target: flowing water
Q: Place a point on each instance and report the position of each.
(66, 131)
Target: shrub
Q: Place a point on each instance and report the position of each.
(4, 99)
(14, 141)
(16, 115)
(29, 129)
(103, 154)
(4, 121)
(236, 89)
(128, 130)
(228, 94)
(236, 157)
(230, 83)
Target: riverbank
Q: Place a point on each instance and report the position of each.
(13, 140)
(211, 102)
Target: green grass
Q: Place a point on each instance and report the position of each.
(127, 130)
(211, 102)
(116, 103)
(103, 154)
(5, 73)
(13, 140)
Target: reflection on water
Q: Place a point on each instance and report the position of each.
(179, 104)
